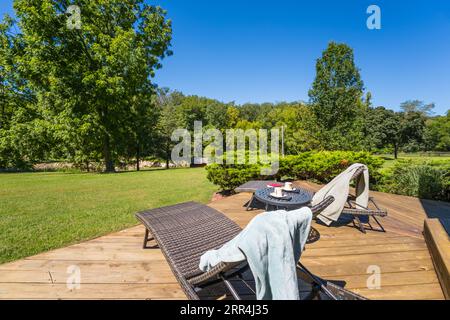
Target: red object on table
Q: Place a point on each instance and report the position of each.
(275, 185)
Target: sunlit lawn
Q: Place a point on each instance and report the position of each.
(42, 211)
(415, 158)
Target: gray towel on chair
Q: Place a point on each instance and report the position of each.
(339, 188)
(272, 244)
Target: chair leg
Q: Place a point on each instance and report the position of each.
(379, 224)
(230, 288)
(146, 239)
(315, 293)
(250, 202)
(361, 227)
(317, 282)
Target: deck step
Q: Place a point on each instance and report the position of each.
(438, 242)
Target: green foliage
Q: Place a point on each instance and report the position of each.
(323, 166)
(320, 166)
(298, 122)
(382, 128)
(417, 106)
(86, 96)
(229, 177)
(399, 130)
(91, 86)
(437, 133)
(336, 98)
(423, 181)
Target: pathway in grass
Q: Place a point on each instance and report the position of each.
(43, 211)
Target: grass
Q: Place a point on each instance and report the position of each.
(415, 158)
(43, 211)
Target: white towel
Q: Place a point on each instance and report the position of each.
(339, 188)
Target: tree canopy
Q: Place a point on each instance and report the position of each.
(86, 94)
(336, 96)
(92, 85)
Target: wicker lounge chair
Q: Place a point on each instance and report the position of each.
(356, 211)
(185, 231)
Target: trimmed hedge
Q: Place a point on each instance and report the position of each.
(229, 178)
(321, 166)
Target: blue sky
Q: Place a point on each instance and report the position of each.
(257, 51)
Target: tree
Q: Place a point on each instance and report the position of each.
(233, 116)
(400, 130)
(437, 133)
(336, 97)
(20, 129)
(170, 118)
(418, 107)
(412, 130)
(254, 112)
(216, 115)
(300, 129)
(383, 128)
(91, 82)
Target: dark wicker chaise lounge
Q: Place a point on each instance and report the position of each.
(352, 208)
(356, 211)
(185, 231)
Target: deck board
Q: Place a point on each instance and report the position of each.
(116, 267)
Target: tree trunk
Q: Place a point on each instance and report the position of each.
(109, 165)
(138, 157)
(167, 157)
(395, 151)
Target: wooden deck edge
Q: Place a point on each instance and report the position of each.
(438, 243)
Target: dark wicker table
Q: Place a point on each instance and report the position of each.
(299, 198)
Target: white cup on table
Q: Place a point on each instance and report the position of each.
(288, 186)
(278, 192)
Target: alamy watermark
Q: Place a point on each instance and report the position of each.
(74, 18)
(73, 281)
(374, 280)
(374, 20)
(241, 147)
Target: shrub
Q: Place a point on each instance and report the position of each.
(423, 181)
(321, 166)
(229, 177)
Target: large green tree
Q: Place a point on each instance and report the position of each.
(398, 130)
(92, 80)
(336, 98)
(19, 137)
(383, 128)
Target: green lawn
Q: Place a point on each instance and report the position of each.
(390, 161)
(42, 211)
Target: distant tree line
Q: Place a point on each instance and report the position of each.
(86, 95)
(374, 129)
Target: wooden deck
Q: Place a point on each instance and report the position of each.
(116, 267)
